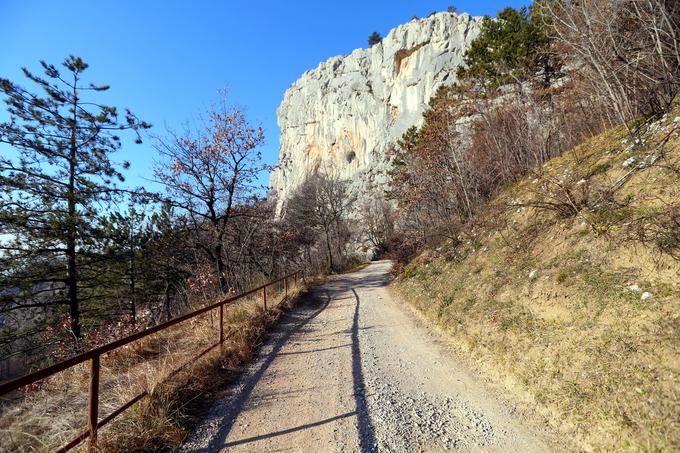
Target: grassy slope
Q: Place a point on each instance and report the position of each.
(602, 364)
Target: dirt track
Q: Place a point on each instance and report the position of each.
(351, 370)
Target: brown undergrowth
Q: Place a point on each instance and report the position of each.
(565, 290)
(45, 419)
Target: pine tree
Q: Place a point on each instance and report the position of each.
(125, 236)
(374, 39)
(55, 182)
(506, 50)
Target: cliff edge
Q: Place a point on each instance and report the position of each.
(344, 116)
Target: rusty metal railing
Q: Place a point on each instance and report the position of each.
(94, 355)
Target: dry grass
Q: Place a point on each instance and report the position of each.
(45, 419)
(601, 364)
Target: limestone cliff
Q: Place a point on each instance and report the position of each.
(344, 115)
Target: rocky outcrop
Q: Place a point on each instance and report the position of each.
(345, 115)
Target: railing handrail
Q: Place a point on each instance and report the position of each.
(103, 349)
(94, 354)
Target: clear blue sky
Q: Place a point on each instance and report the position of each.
(165, 60)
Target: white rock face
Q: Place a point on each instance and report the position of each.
(346, 114)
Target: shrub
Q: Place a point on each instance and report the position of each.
(374, 39)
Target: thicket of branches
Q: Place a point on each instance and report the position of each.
(536, 83)
(627, 53)
(85, 259)
(318, 216)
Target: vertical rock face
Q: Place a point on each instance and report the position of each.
(346, 114)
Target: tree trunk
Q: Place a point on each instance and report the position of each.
(71, 271)
(167, 300)
(133, 287)
(219, 261)
(330, 250)
(72, 286)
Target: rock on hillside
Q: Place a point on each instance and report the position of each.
(345, 115)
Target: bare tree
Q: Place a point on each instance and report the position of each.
(629, 51)
(320, 208)
(209, 173)
(377, 219)
(432, 177)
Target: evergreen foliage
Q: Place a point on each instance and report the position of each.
(126, 236)
(56, 182)
(374, 39)
(506, 50)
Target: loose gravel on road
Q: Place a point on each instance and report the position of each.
(351, 370)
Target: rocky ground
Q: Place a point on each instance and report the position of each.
(351, 370)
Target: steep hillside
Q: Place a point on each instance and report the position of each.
(344, 115)
(565, 290)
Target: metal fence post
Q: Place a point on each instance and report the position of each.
(93, 404)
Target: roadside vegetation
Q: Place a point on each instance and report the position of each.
(569, 298)
(86, 259)
(48, 415)
(537, 216)
(534, 215)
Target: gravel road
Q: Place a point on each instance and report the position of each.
(351, 370)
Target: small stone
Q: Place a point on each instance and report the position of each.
(628, 162)
(634, 288)
(676, 120)
(533, 275)
(646, 295)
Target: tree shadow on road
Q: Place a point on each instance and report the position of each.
(296, 324)
(366, 438)
(236, 405)
(288, 431)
